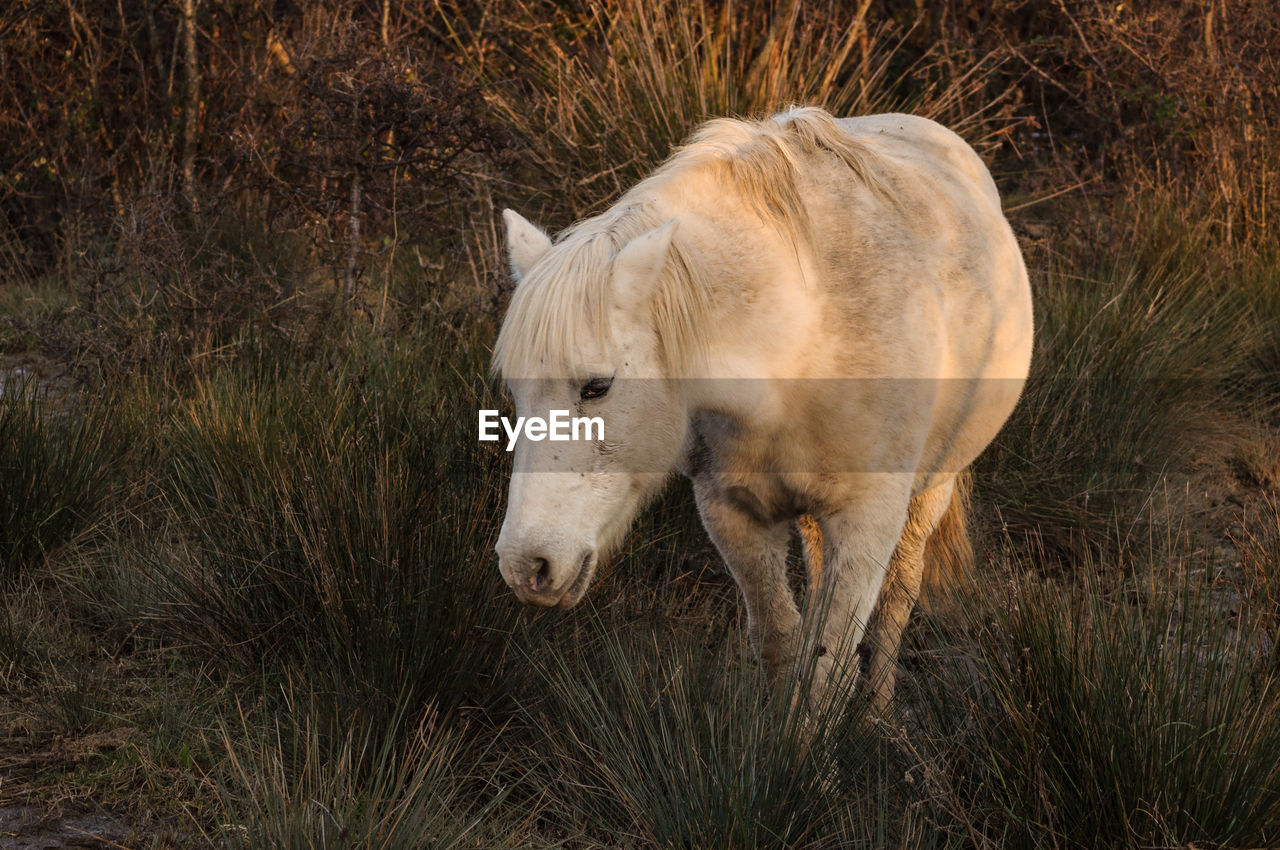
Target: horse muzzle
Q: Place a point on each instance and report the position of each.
(545, 581)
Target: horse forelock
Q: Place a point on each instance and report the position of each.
(561, 312)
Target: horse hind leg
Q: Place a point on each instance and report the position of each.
(925, 520)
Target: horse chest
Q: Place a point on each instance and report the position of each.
(742, 467)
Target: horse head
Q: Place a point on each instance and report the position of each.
(579, 340)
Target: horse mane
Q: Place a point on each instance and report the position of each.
(552, 313)
(760, 160)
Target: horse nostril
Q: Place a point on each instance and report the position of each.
(539, 580)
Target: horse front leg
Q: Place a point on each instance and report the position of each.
(756, 554)
(857, 544)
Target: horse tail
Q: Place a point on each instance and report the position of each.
(948, 553)
(811, 545)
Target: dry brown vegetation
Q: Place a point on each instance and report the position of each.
(324, 139)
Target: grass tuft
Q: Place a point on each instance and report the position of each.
(325, 783)
(334, 520)
(1136, 368)
(1069, 714)
(61, 463)
(605, 92)
(671, 739)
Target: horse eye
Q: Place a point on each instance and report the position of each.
(596, 387)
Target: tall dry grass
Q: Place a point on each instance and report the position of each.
(598, 95)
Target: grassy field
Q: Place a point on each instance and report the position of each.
(246, 531)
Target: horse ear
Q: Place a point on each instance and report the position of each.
(525, 242)
(637, 266)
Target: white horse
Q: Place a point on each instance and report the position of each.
(816, 320)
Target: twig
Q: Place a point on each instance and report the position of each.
(192, 108)
(353, 248)
(96, 837)
(1106, 77)
(1051, 195)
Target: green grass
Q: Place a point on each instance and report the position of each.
(312, 545)
(305, 783)
(306, 547)
(332, 518)
(674, 743)
(61, 461)
(1080, 716)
